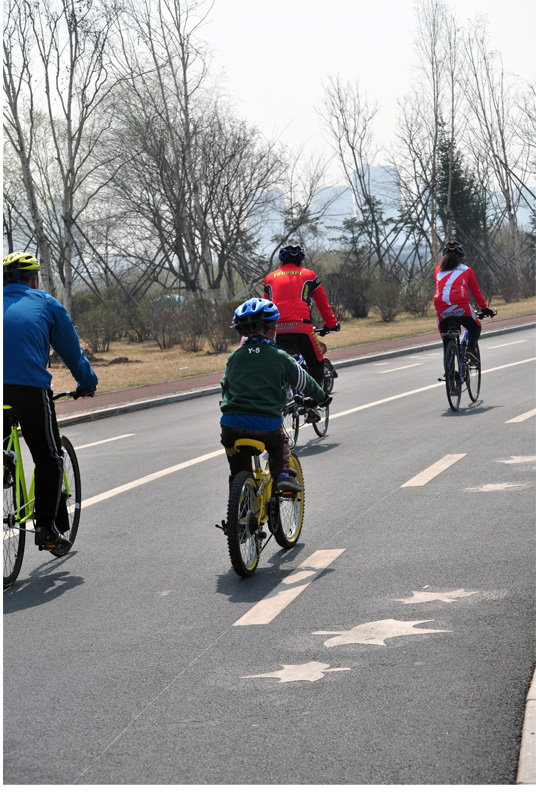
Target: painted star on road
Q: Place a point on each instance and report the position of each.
(312, 671)
(376, 632)
(443, 597)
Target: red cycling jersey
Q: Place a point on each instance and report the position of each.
(293, 289)
(451, 298)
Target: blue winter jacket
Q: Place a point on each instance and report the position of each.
(34, 321)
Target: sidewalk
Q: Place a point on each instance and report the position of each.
(109, 404)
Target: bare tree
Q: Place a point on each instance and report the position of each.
(19, 111)
(491, 132)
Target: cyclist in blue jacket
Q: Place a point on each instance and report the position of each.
(33, 323)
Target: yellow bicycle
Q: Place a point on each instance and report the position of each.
(254, 501)
(19, 501)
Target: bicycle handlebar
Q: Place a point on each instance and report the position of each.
(73, 394)
(481, 314)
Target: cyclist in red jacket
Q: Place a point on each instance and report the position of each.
(293, 288)
(454, 280)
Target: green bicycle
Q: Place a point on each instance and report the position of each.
(19, 501)
(253, 502)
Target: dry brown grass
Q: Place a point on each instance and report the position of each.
(147, 364)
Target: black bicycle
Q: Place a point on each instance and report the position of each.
(462, 371)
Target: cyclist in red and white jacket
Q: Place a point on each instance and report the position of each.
(294, 288)
(454, 280)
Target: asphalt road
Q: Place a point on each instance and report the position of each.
(406, 660)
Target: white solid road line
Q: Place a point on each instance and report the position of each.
(104, 441)
(290, 587)
(426, 475)
(508, 344)
(98, 498)
(522, 417)
(397, 369)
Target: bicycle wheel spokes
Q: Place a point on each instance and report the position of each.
(452, 375)
(474, 377)
(71, 497)
(14, 533)
(291, 507)
(241, 526)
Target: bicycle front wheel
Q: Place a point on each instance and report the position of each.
(321, 427)
(287, 527)
(242, 523)
(71, 496)
(452, 375)
(14, 533)
(291, 419)
(474, 377)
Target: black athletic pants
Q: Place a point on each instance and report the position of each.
(472, 326)
(302, 344)
(36, 414)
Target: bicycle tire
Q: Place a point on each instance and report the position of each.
(291, 419)
(290, 511)
(71, 499)
(14, 537)
(329, 376)
(241, 525)
(321, 427)
(452, 375)
(474, 377)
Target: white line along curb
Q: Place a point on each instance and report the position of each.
(526, 772)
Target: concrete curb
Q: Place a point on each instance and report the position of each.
(526, 773)
(177, 397)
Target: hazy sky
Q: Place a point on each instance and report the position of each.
(276, 55)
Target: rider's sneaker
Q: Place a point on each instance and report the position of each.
(472, 356)
(46, 539)
(312, 415)
(287, 483)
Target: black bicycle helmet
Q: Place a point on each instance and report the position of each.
(255, 316)
(291, 254)
(454, 247)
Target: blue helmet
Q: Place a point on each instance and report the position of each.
(255, 316)
(291, 254)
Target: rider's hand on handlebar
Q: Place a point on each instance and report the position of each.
(488, 312)
(80, 392)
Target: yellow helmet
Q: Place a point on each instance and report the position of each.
(22, 261)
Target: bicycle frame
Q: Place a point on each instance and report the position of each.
(263, 478)
(25, 499)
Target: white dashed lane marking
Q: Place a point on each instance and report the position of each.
(522, 417)
(431, 472)
(290, 587)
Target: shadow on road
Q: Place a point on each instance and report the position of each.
(46, 583)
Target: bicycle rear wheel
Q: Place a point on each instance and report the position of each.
(291, 419)
(329, 375)
(452, 375)
(290, 511)
(321, 427)
(241, 528)
(71, 497)
(474, 377)
(14, 534)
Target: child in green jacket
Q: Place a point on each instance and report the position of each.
(254, 394)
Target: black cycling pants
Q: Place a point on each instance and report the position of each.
(35, 411)
(301, 343)
(473, 328)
